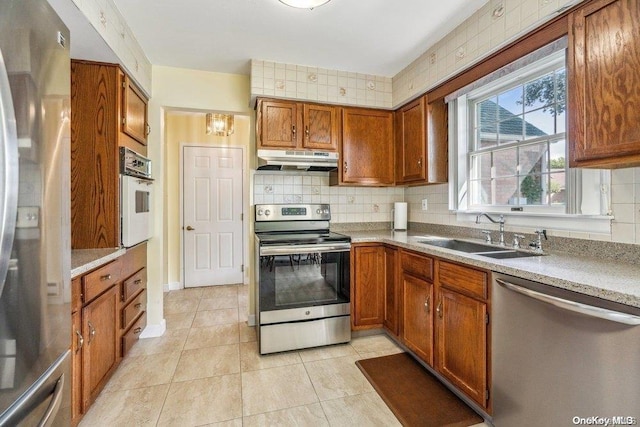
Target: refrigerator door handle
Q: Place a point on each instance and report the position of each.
(54, 406)
(8, 172)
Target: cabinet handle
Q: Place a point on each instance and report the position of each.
(137, 330)
(426, 304)
(105, 277)
(138, 305)
(293, 129)
(420, 161)
(439, 309)
(137, 281)
(92, 332)
(80, 341)
(147, 130)
(346, 168)
(306, 131)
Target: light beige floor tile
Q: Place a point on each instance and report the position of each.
(247, 333)
(195, 293)
(338, 377)
(328, 352)
(139, 407)
(243, 296)
(231, 423)
(250, 360)
(374, 343)
(215, 317)
(373, 354)
(203, 401)
(208, 362)
(212, 336)
(171, 341)
(243, 314)
(218, 303)
(220, 291)
(301, 416)
(144, 371)
(179, 320)
(181, 305)
(276, 388)
(360, 410)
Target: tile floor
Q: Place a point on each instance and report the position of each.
(206, 370)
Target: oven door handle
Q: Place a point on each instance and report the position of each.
(304, 249)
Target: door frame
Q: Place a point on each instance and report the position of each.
(245, 220)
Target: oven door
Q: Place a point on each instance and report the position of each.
(135, 208)
(303, 282)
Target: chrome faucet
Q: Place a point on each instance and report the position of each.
(499, 221)
(536, 245)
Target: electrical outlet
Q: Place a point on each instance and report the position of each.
(424, 204)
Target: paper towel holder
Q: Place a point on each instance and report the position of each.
(399, 217)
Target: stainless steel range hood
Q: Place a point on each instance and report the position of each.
(297, 160)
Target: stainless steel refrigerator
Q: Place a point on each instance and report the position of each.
(35, 316)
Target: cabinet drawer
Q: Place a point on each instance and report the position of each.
(464, 279)
(418, 265)
(133, 334)
(134, 259)
(133, 309)
(98, 281)
(133, 284)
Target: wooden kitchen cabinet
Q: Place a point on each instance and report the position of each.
(391, 320)
(462, 329)
(603, 77)
(417, 304)
(133, 297)
(108, 111)
(77, 342)
(421, 143)
(366, 148)
(368, 272)
(285, 124)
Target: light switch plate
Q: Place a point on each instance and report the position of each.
(424, 204)
(28, 217)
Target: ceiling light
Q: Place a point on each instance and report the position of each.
(219, 124)
(304, 4)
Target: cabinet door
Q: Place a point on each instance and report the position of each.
(279, 124)
(462, 343)
(100, 352)
(417, 321)
(437, 142)
(603, 77)
(411, 156)
(320, 127)
(77, 342)
(134, 112)
(368, 298)
(367, 147)
(391, 291)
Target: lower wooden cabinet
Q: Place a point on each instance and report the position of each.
(391, 320)
(368, 286)
(77, 342)
(417, 316)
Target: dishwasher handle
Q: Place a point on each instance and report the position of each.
(589, 310)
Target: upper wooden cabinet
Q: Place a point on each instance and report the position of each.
(421, 142)
(107, 111)
(285, 124)
(366, 148)
(603, 77)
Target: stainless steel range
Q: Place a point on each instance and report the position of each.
(302, 276)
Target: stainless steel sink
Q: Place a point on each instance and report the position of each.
(461, 245)
(497, 252)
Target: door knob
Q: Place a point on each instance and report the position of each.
(190, 228)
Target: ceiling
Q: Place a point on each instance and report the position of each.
(378, 37)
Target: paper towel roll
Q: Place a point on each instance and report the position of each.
(400, 216)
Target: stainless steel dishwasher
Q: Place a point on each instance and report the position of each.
(560, 358)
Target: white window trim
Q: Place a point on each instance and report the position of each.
(459, 135)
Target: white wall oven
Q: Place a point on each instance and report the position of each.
(303, 278)
(136, 189)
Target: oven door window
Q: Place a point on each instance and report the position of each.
(142, 201)
(303, 280)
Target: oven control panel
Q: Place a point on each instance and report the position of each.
(311, 212)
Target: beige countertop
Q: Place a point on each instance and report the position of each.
(83, 260)
(610, 280)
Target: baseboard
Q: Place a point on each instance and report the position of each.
(251, 320)
(173, 286)
(154, 331)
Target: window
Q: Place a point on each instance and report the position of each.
(509, 146)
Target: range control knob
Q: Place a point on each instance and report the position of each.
(326, 211)
(318, 211)
(267, 212)
(260, 212)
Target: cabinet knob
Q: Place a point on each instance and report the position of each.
(346, 167)
(80, 341)
(137, 281)
(105, 277)
(293, 129)
(420, 161)
(138, 305)
(426, 304)
(439, 309)
(306, 131)
(137, 330)
(92, 332)
(147, 130)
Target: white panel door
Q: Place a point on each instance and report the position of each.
(212, 216)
